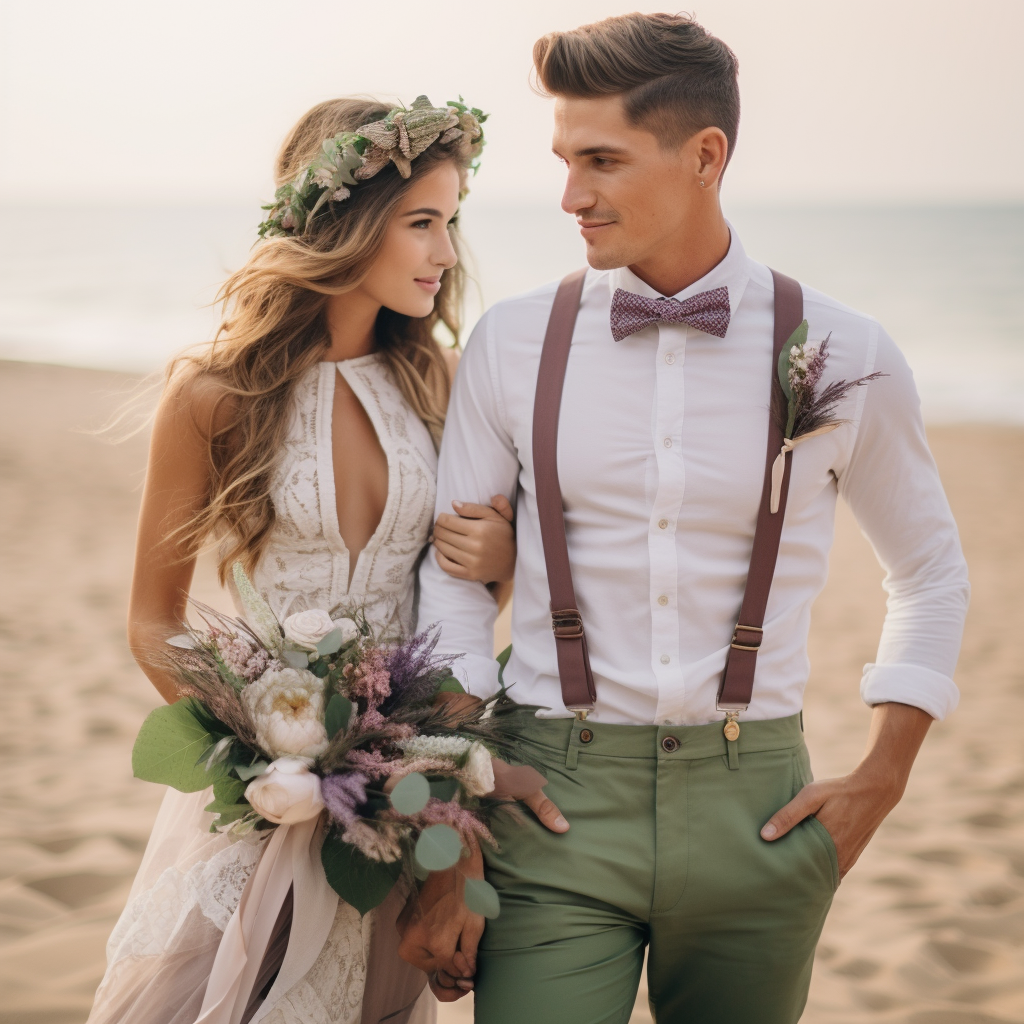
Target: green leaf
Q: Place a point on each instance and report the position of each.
(229, 790)
(295, 659)
(798, 337)
(438, 848)
(249, 771)
(170, 743)
(331, 643)
(444, 789)
(481, 898)
(451, 685)
(411, 794)
(228, 812)
(502, 659)
(338, 715)
(359, 881)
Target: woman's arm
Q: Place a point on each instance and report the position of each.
(177, 487)
(479, 543)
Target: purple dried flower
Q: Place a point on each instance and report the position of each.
(414, 668)
(342, 794)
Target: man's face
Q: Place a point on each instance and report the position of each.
(628, 193)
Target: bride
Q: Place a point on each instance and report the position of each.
(305, 439)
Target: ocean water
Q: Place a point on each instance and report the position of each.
(126, 288)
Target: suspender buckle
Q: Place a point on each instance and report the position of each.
(581, 713)
(567, 624)
(747, 638)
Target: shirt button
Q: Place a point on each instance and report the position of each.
(662, 524)
(665, 659)
(668, 442)
(663, 600)
(670, 358)
(670, 744)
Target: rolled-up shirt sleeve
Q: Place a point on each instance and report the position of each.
(892, 485)
(477, 460)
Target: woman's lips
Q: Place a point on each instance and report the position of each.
(429, 284)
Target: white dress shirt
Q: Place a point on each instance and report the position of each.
(661, 456)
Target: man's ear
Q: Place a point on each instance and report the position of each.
(710, 149)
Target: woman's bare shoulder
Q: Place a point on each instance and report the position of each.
(199, 400)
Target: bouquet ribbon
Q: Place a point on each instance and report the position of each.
(779, 465)
(291, 860)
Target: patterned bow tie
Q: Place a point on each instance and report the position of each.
(707, 311)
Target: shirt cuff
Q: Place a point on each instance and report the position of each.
(478, 675)
(915, 685)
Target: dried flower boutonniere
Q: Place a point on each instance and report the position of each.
(808, 411)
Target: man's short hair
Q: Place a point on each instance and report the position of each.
(674, 76)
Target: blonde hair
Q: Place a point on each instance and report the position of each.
(274, 329)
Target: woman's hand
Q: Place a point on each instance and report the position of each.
(478, 543)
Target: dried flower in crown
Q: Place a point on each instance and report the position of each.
(353, 157)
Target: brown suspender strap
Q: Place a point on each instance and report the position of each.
(578, 691)
(738, 678)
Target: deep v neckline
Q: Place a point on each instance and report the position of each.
(354, 576)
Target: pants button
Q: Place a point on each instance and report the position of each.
(586, 735)
(670, 744)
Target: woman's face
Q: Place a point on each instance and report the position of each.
(417, 247)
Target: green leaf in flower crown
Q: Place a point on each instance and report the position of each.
(359, 881)
(438, 848)
(331, 643)
(481, 898)
(171, 742)
(411, 794)
(451, 685)
(797, 338)
(337, 716)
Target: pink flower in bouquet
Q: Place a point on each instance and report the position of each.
(371, 679)
(242, 658)
(287, 792)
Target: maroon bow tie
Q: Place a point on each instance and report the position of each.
(707, 311)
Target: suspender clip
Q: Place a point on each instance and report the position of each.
(747, 638)
(567, 624)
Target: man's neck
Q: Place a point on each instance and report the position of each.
(686, 257)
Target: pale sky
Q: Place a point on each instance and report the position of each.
(122, 101)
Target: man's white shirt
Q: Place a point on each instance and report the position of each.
(661, 457)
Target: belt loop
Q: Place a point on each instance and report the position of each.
(732, 748)
(572, 753)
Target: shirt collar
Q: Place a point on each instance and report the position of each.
(732, 272)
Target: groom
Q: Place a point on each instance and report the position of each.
(694, 826)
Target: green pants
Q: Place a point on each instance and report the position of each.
(664, 851)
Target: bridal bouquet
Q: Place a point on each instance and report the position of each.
(286, 720)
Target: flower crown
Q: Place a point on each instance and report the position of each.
(352, 157)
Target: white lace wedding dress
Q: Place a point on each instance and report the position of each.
(190, 881)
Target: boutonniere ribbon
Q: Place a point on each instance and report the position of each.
(809, 412)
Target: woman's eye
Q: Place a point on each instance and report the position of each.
(421, 224)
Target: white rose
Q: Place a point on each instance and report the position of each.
(308, 628)
(286, 793)
(287, 707)
(478, 775)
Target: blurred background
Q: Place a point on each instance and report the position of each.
(880, 159)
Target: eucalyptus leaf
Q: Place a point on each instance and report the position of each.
(797, 338)
(481, 898)
(170, 746)
(411, 794)
(247, 772)
(338, 715)
(438, 848)
(295, 659)
(331, 643)
(444, 789)
(359, 881)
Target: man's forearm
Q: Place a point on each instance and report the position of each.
(895, 737)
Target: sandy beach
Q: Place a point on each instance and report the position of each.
(927, 929)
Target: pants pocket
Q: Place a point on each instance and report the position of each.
(825, 837)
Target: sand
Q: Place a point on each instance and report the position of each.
(927, 929)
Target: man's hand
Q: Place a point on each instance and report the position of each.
(439, 933)
(852, 807)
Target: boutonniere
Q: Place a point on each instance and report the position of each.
(809, 412)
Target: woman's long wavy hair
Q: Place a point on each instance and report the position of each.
(274, 328)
